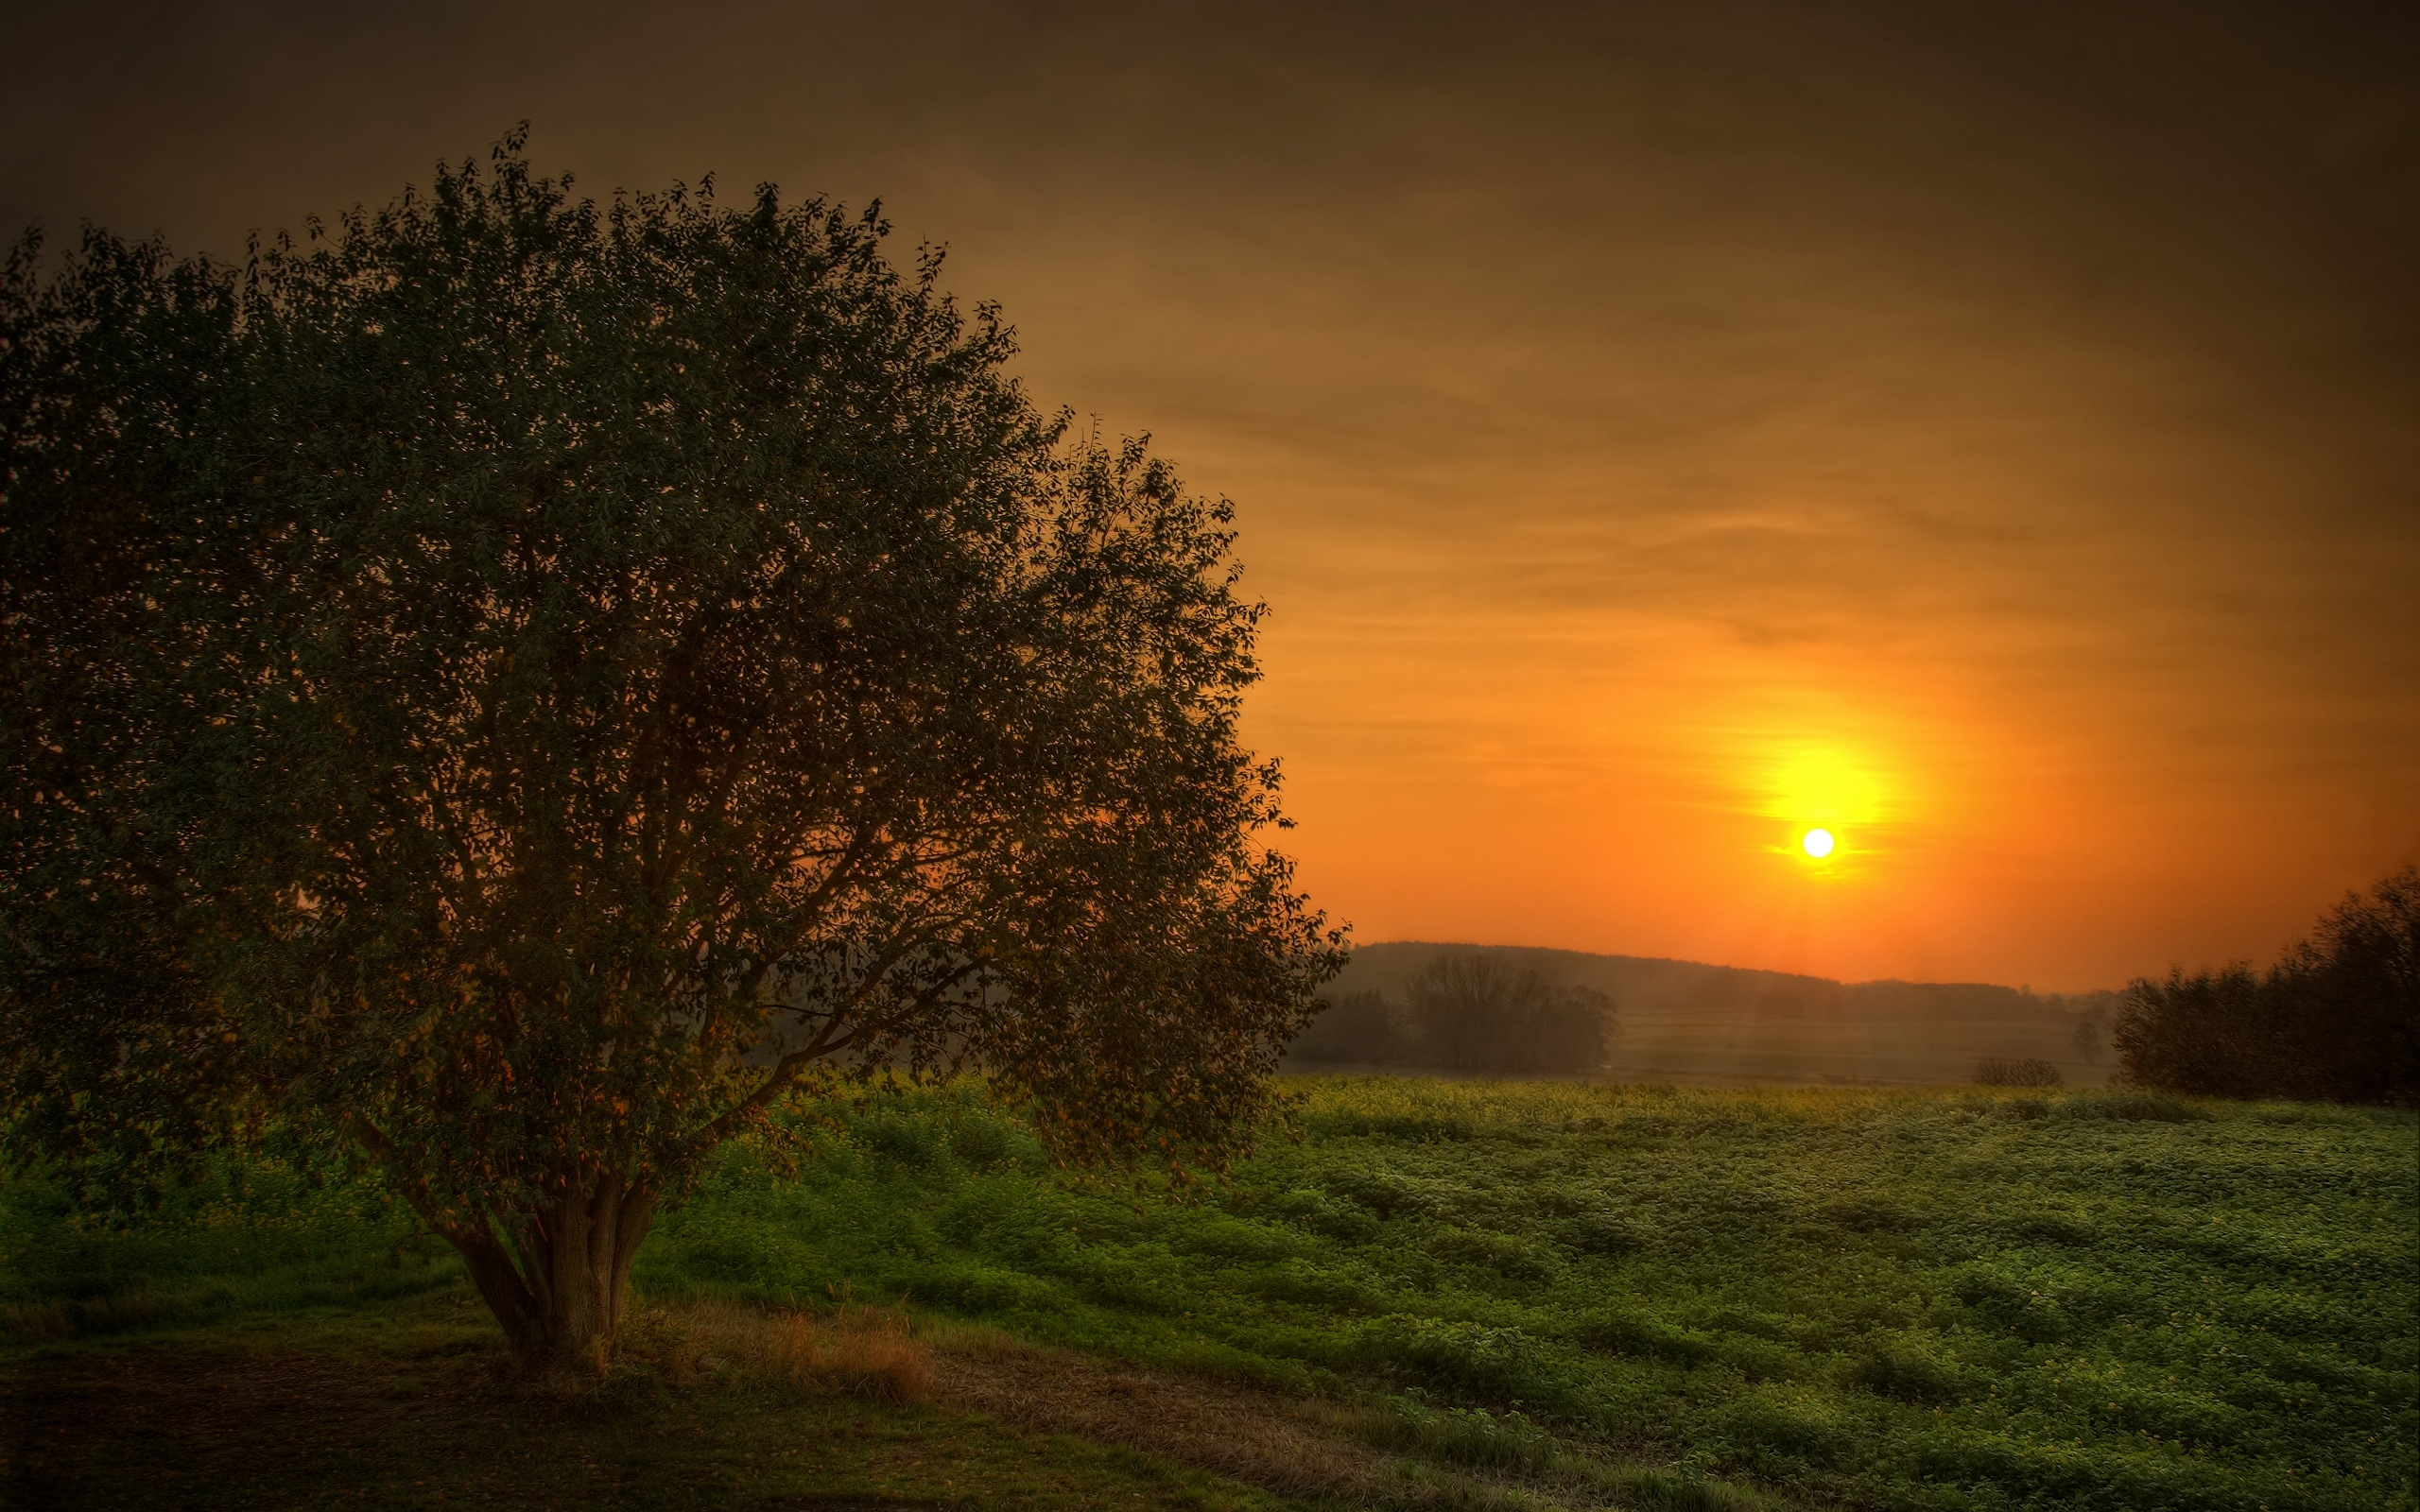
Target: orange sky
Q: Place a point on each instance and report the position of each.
(1653, 432)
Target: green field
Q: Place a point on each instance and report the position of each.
(1924, 1300)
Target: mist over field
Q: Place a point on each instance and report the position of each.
(1685, 1022)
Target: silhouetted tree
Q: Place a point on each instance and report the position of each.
(2337, 1017)
(2351, 995)
(517, 684)
(2209, 1032)
(1472, 1012)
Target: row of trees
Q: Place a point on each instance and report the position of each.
(2337, 1017)
(1470, 1013)
(513, 686)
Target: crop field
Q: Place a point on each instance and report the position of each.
(1941, 1299)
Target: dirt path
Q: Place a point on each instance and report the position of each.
(1260, 1437)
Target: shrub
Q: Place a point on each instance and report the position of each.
(2210, 1033)
(981, 1143)
(1993, 1071)
(908, 1142)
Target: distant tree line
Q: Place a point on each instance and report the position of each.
(2338, 1018)
(1470, 1013)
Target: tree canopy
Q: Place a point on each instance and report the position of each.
(2337, 1017)
(515, 682)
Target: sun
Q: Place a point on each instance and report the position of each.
(1818, 843)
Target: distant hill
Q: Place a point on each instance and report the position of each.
(1688, 1022)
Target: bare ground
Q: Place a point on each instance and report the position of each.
(153, 1425)
(1262, 1438)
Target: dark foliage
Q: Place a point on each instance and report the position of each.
(1356, 1026)
(2337, 1018)
(514, 685)
(1994, 1070)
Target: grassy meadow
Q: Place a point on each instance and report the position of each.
(1631, 1295)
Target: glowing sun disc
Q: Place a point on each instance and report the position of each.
(1818, 843)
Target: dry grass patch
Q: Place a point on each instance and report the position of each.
(1256, 1437)
(854, 1349)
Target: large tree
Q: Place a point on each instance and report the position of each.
(515, 683)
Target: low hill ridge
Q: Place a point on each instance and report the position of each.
(1694, 1022)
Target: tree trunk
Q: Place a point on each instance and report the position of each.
(557, 1285)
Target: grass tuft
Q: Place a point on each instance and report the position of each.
(1462, 1435)
(1663, 1490)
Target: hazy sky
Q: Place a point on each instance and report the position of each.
(1992, 431)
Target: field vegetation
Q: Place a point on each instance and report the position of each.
(1975, 1298)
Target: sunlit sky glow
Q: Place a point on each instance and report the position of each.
(1658, 430)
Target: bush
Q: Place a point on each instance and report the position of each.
(1993, 1071)
(908, 1142)
(2210, 1033)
